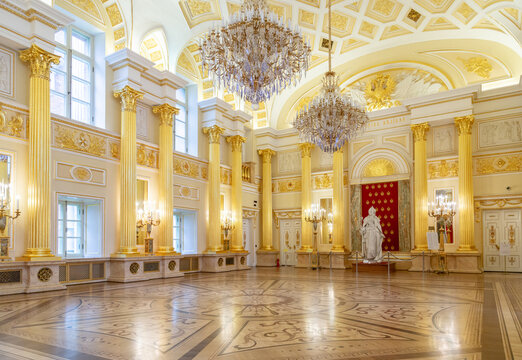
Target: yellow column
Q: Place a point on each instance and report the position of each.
(237, 188)
(214, 197)
(39, 171)
(338, 202)
(166, 183)
(465, 205)
(420, 181)
(266, 155)
(306, 194)
(128, 97)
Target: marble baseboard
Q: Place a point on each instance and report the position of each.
(267, 258)
(464, 263)
(223, 262)
(30, 276)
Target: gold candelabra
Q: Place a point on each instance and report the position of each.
(227, 224)
(443, 211)
(147, 217)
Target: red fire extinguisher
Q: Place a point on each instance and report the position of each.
(277, 262)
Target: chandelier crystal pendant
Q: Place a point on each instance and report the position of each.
(255, 55)
(332, 118)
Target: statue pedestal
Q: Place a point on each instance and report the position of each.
(381, 267)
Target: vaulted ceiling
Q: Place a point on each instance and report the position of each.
(409, 48)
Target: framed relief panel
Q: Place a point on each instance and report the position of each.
(7, 72)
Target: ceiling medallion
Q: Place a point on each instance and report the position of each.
(332, 118)
(255, 55)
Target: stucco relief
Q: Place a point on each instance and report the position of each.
(6, 72)
(289, 162)
(443, 140)
(142, 122)
(500, 132)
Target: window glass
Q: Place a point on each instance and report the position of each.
(60, 36)
(181, 95)
(80, 43)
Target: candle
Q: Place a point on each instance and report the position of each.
(17, 202)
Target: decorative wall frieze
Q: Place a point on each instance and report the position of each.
(70, 138)
(80, 173)
(146, 156)
(495, 203)
(286, 214)
(190, 168)
(443, 169)
(498, 164)
(7, 72)
(13, 123)
(286, 185)
(322, 181)
(225, 176)
(505, 131)
(186, 192)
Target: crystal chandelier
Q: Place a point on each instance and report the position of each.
(255, 55)
(332, 118)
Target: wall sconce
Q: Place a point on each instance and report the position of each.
(6, 211)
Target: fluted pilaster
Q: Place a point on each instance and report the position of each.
(338, 202)
(237, 186)
(420, 181)
(266, 155)
(306, 194)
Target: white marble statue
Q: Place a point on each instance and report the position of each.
(372, 236)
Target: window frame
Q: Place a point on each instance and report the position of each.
(70, 53)
(64, 221)
(182, 106)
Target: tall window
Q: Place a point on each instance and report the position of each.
(72, 80)
(185, 236)
(180, 125)
(80, 227)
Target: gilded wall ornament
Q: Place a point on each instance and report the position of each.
(379, 167)
(323, 181)
(419, 131)
(306, 149)
(478, 65)
(146, 157)
(78, 140)
(498, 164)
(129, 98)
(379, 91)
(266, 154)
(166, 113)
(13, 127)
(464, 124)
(443, 169)
(214, 133)
(237, 142)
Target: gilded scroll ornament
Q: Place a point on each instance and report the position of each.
(146, 157)
(498, 165)
(443, 169)
(128, 97)
(479, 66)
(39, 60)
(13, 127)
(323, 182)
(80, 141)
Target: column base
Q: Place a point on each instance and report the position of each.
(267, 257)
(36, 254)
(223, 262)
(139, 268)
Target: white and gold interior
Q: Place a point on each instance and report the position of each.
(442, 84)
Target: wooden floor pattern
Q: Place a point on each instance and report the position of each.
(271, 313)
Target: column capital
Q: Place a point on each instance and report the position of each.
(305, 149)
(166, 112)
(39, 61)
(464, 124)
(419, 131)
(214, 133)
(128, 97)
(266, 154)
(236, 141)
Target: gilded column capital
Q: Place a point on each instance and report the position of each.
(214, 133)
(419, 131)
(128, 97)
(464, 124)
(166, 113)
(39, 60)
(266, 154)
(305, 149)
(236, 141)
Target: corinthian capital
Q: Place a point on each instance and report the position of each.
(464, 124)
(236, 141)
(39, 61)
(266, 154)
(128, 97)
(419, 131)
(214, 133)
(166, 113)
(306, 149)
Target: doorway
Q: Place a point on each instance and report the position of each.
(290, 241)
(502, 230)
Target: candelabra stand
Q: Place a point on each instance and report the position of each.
(314, 215)
(443, 211)
(147, 219)
(5, 214)
(227, 224)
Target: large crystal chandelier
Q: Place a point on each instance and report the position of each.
(332, 118)
(255, 55)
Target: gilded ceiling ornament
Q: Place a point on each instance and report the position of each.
(379, 167)
(266, 154)
(214, 133)
(198, 7)
(88, 6)
(166, 112)
(419, 131)
(478, 65)
(379, 91)
(306, 149)
(114, 14)
(237, 142)
(39, 60)
(129, 98)
(464, 124)
(385, 7)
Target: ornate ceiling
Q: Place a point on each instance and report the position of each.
(385, 51)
